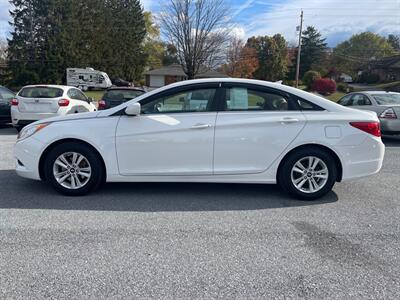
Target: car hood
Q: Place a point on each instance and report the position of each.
(88, 115)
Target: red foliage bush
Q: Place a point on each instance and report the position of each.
(324, 86)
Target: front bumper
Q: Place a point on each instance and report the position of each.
(27, 155)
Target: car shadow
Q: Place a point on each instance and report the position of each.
(20, 193)
(391, 141)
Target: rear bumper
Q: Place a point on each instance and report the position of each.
(362, 160)
(21, 119)
(390, 126)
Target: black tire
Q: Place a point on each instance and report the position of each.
(285, 173)
(97, 169)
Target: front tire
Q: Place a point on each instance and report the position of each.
(308, 173)
(73, 169)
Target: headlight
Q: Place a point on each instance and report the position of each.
(30, 130)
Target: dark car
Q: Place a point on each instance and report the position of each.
(6, 97)
(117, 95)
(120, 82)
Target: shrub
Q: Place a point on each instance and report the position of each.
(309, 78)
(324, 86)
(342, 87)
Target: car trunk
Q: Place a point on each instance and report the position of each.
(38, 105)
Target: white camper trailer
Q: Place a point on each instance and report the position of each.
(88, 79)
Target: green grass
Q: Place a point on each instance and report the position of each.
(96, 95)
(335, 96)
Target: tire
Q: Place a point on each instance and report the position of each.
(311, 183)
(83, 174)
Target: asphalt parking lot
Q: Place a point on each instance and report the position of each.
(199, 240)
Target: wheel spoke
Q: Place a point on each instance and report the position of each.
(314, 184)
(300, 166)
(61, 174)
(73, 183)
(84, 174)
(77, 181)
(63, 159)
(300, 185)
(310, 162)
(298, 170)
(74, 158)
(80, 158)
(322, 176)
(61, 164)
(315, 164)
(62, 179)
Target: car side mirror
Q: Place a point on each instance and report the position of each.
(133, 109)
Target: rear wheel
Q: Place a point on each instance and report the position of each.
(73, 169)
(308, 173)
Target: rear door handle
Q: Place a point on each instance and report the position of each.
(201, 126)
(289, 120)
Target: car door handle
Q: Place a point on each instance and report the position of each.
(289, 120)
(201, 126)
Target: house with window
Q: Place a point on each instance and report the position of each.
(174, 73)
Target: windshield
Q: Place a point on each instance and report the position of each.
(122, 95)
(386, 99)
(41, 92)
(6, 94)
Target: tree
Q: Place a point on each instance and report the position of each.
(51, 35)
(313, 50)
(272, 57)
(349, 56)
(3, 50)
(198, 29)
(394, 41)
(241, 61)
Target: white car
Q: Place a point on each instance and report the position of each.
(37, 102)
(209, 130)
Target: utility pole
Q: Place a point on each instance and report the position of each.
(299, 50)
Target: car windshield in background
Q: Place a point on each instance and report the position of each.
(122, 95)
(41, 92)
(386, 99)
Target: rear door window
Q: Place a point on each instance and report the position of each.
(360, 100)
(41, 92)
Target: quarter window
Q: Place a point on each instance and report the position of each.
(360, 100)
(243, 99)
(198, 100)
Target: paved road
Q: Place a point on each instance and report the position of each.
(199, 240)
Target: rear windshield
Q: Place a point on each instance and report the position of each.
(41, 92)
(122, 95)
(385, 99)
(6, 94)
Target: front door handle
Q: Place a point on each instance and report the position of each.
(201, 126)
(289, 120)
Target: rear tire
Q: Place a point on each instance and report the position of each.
(304, 181)
(73, 169)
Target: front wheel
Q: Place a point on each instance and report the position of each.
(73, 169)
(308, 174)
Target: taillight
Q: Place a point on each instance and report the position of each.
(63, 102)
(388, 114)
(373, 128)
(14, 102)
(102, 104)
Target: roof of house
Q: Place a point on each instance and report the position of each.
(176, 70)
(385, 62)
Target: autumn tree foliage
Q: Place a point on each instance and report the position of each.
(241, 61)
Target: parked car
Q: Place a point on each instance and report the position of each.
(6, 97)
(385, 104)
(208, 130)
(36, 102)
(117, 95)
(120, 82)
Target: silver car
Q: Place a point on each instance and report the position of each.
(385, 104)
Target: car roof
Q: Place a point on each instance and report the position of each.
(379, 92)
(63, 87)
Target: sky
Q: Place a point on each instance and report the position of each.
(337, 20)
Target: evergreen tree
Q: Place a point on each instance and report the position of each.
(313, 49)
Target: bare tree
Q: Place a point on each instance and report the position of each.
(199, 30)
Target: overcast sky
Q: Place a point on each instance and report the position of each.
(336, 19)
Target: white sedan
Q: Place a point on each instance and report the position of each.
(37, 102)
(209, 130)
